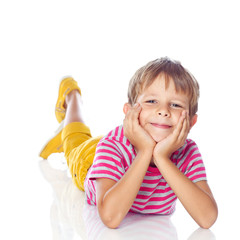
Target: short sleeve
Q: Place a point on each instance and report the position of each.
(108, 161)
(190, 162)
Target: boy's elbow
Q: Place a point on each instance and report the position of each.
(111, 224)
(208, 219)
(109, 220)
(206, 224)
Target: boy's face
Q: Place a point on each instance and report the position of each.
(161, 108)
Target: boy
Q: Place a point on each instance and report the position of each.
(146, 164)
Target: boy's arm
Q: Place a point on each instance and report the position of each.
(195, 197)
(114, 199)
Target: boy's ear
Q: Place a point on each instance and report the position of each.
(126, 108)
(193, 120)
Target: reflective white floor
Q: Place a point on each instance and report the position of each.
(39, 201)
(72, 218)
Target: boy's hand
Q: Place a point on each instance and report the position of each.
(138, 137)
(174, 141)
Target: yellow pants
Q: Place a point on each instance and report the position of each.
(79, 147)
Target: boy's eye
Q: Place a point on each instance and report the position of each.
(175, 105)
(151, 101)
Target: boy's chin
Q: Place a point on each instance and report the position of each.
(158, 139)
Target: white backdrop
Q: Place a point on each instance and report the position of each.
(101, 44)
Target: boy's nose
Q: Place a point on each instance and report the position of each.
(164, 113)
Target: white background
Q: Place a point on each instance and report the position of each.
(101, 44)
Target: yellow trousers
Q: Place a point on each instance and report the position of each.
(79, 147)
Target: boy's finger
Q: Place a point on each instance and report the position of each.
(136, 110)
(131, 118)
(183, 133)
(136, 105)
(179, 126)
(185, 129)
(188, 123)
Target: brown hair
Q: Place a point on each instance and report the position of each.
(184, 81)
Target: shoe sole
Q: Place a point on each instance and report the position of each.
(49, 147)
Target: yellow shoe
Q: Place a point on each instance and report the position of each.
(66, 86)
(54, 145)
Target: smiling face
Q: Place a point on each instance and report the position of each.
(161, 108)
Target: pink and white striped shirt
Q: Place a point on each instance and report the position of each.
(114, 155)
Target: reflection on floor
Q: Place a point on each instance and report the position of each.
(73, 218)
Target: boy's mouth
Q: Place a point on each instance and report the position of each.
(162, 126)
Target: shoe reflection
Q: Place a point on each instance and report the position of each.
(71, 216)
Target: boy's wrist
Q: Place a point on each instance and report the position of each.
(146, 148)
(159, 160)
(146, 153)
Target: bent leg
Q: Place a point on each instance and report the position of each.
(73, 106)
(78, 145)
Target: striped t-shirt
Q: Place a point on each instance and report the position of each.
(114, 155)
